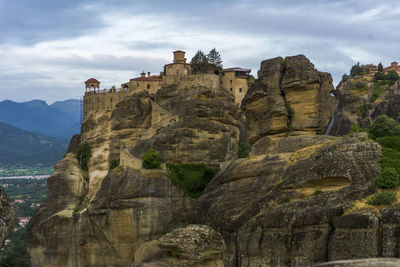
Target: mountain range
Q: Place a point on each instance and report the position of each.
(60, 119)
(18, 146)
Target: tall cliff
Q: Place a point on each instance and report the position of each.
(8, 217)
(290, 203)
(362, 105)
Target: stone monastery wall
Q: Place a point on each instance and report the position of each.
(188, 81)
(101, 101)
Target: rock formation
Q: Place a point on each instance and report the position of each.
(8, 217)
(289, 96)
(292, 202)
(355, 106)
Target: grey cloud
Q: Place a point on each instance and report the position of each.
(108, 62)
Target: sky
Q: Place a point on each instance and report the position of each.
(49, 48)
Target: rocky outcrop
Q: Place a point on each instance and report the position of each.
(288, 208)
(128, 210)
(102, 218)
(355, 106)
(193, 245)
(8, 217)
(289, 96)
(206, 126)
(377, 262)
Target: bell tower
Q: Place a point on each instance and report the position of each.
(92, 85)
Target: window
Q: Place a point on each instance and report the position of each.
(231, 89)
(148, 86)
(240, 90)
(231, 81)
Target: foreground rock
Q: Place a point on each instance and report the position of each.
(378, 262)
(288, 208)
(8, 217)
(193, 245)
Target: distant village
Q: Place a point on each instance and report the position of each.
(371, 69)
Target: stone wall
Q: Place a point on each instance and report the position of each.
(235, 85)
(99, 102)
(211, 81)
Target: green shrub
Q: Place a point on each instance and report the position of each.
(358, 85)
(388, 178)
(392, 142)
(355, 128)
(114, 163)
(150, 160)
(192, 178)
(317, 192)
(290, 111)
(375, 94)
(379, 76)
(383, 126)
(83, 154)
(390, 158)
(244, 150)
(364, 109)
(383, 198)
(345, 78)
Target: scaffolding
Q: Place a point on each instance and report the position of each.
(82, 111)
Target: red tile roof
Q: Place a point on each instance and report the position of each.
(92, 80)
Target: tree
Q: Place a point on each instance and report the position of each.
(199, 62)
(150, 159)
(83, 154)
(356, 70)
(380, 67)
(383, 126)
(214, 58)
(345, 77)
(379, 76)
(388, 178)
(392, 76)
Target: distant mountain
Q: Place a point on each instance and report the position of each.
(61, 119)
(18, 146)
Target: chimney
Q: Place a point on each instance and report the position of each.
(143, 74)
(148, 74)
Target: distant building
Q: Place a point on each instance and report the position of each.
(394, 66)
(23, 221)
(179, 65)
(234, 80)
(143, 83)
(371, 69)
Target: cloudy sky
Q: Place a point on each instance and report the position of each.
(49, 48)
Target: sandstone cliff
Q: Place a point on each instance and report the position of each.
(102, 218)
(355, 106)
(8, 217)
(292, 202)
(290, 96)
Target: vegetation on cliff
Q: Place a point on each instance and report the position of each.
(192, 178)
(150, 160)
(83, 154)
